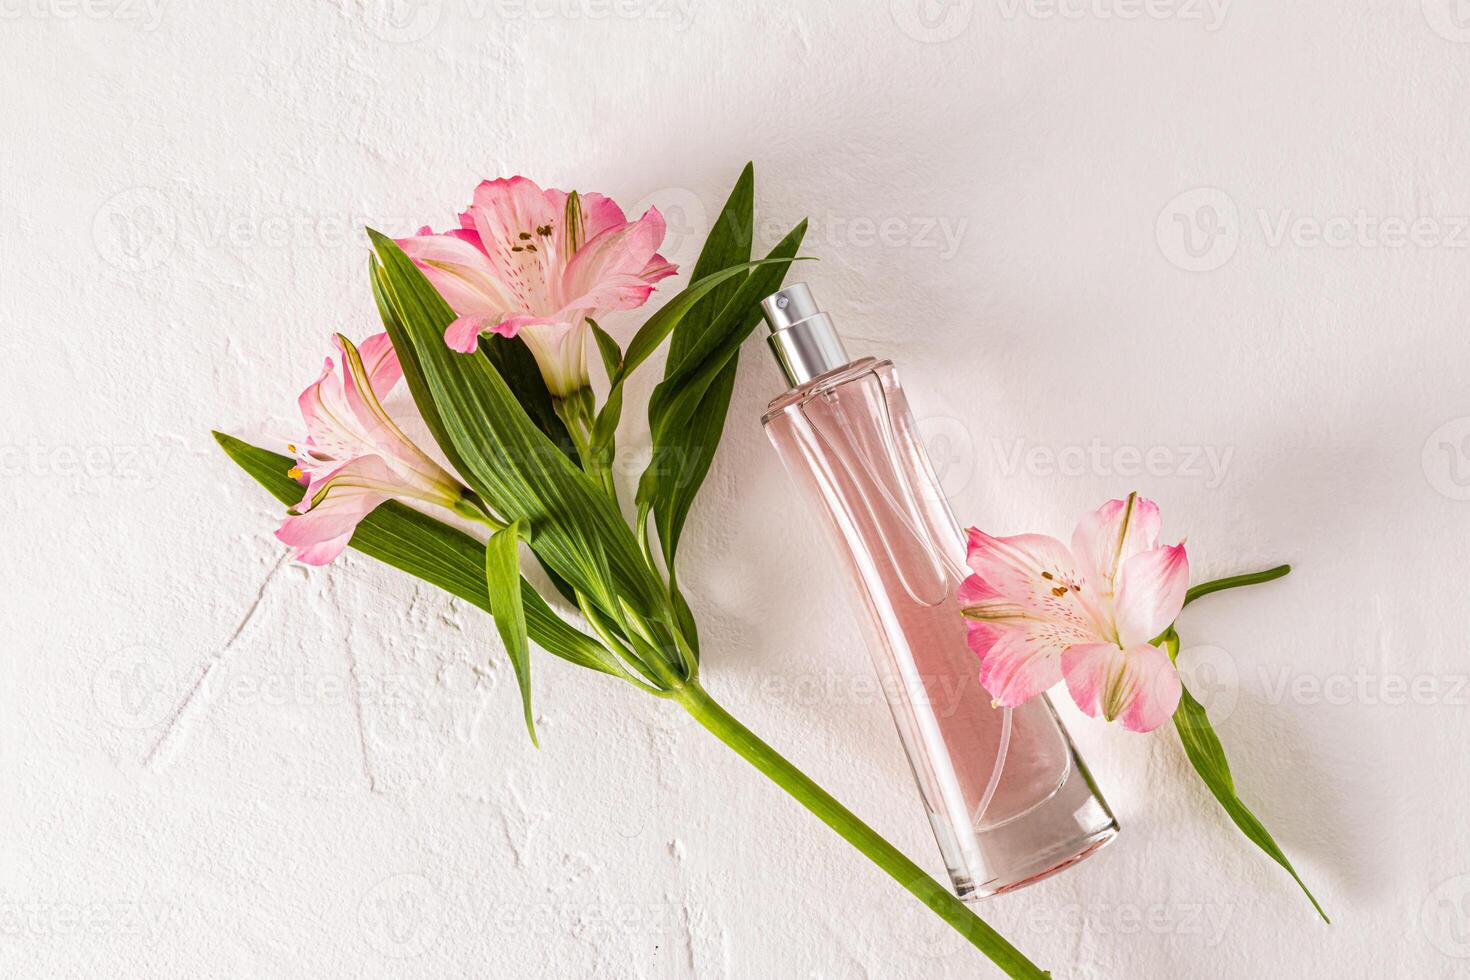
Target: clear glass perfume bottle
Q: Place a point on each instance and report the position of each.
(1008, 797)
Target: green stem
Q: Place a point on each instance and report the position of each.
(577, 412)
(940, 899)
(1235, 582)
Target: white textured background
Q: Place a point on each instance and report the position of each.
(1234, 235)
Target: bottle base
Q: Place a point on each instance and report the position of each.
(1044, 867)
(1072, 823)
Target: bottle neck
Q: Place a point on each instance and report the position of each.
(808, 349)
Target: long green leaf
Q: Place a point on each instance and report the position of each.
(607, 349)
(1207, 756)
(517, 365)
(686, 413)
(1234, 582)
(510, 463)
(502, 584)
(728, 244)
(433, 551)
(647, 340)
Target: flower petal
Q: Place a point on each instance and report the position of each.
(599, 213)
(457, 266)
(333, 433)
(1151, 590)
(1112, 534)
(605, 272)
(463, 335)
(420, 475)
(1029, 578)
(1017, 663)
(519, 228)
(1137, 685)
(657, 268)
(332, 509)
(381, 363)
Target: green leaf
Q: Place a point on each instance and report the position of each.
(517, 366)
(1235, 582)
(502, 584)
(511, 464)
(432, 551)
(728, 244)
(1207, 756)
(686, 413)
(612, 354)
(647, 340)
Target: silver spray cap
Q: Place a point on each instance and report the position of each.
(802, 336)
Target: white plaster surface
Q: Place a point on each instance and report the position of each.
(215, 764)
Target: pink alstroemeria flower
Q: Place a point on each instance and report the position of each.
(1040, 612)
(355, 456)
(536, 264)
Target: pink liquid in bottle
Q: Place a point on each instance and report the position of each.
(1008, 797)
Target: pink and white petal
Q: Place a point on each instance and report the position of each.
(1019, 663)
(462, 273)
(613, 293)
(973, 591)
(615, 254)
(381, 362)
(1137, 685)
(1112, 534)
(323, 552)
(322, 530)
(396, 450)
(1151, 591)
(514, 203)
(368, 372)
(332, 428)
(518, 228)
(463, 334)
(512, 325)
(657, 268)
(599, 213)
(1030, 577)
(981, 636)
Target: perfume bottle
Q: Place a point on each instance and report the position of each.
(1009, 799)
